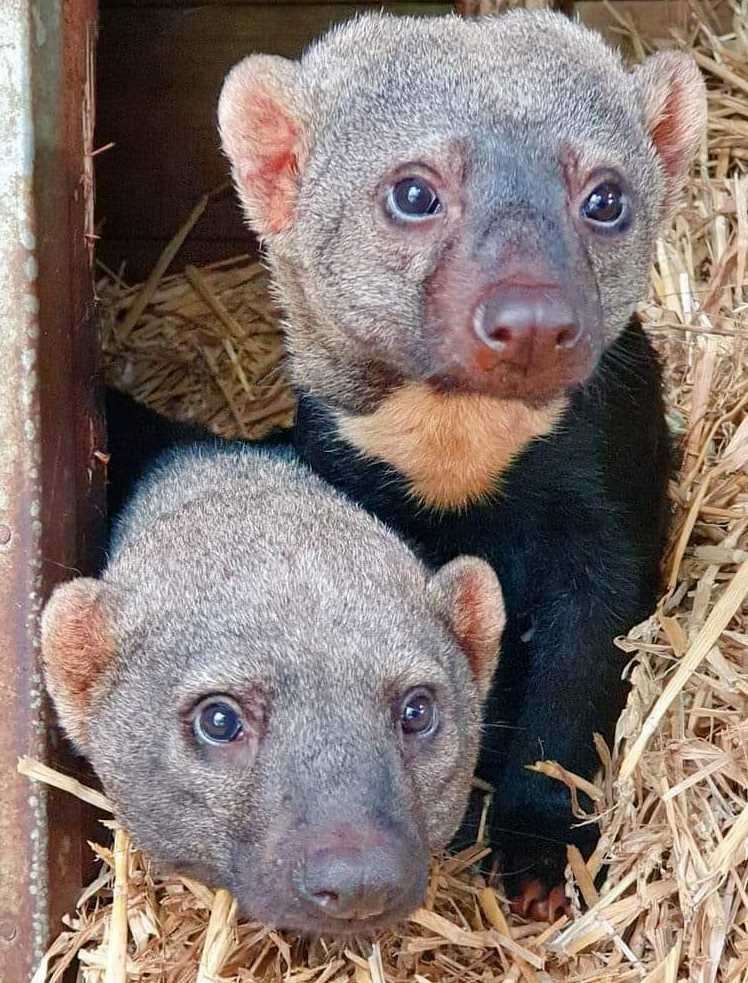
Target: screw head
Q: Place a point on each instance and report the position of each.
(8, 930)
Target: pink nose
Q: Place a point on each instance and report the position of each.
(364, 881)
(527, 324)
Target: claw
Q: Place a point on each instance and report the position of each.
(552, 907)
(537, 904)
(530, 893)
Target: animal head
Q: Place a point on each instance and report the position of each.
(469, 204)
(277, 697)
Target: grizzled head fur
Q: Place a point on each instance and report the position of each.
(470, 205)
(276, 694)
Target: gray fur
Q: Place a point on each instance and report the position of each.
(236, 572)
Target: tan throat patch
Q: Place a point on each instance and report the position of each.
(451, 447)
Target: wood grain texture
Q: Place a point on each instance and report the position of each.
(71, 425)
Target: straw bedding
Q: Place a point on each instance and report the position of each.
(671, 796)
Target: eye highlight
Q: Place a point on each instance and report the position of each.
(412, 199)
(218, 720)
(606, 206)
(419, 714)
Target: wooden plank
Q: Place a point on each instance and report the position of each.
(160, 74)
(70, 423)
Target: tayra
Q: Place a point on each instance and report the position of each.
(460, 217)
(278, 697)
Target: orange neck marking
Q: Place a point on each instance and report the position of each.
(452, 448)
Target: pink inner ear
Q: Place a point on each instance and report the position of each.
(667, 132)
(271, 173)
(470, 621)
(79, 645)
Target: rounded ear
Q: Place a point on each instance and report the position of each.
(674, 101)
(78, 651)
(264, 137)
(468, 595)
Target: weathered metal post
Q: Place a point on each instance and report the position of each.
(50, 477)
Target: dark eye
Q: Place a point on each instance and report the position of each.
(413, 199)
(605, 205)
(418, 713)
(218, 720)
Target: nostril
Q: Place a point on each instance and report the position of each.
(501, 335)
(359, 874)
(326, 899)
(567, 336)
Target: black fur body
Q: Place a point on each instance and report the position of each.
(575, 533)
(138, 436)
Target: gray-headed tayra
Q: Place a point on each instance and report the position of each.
(276, 695)
(460, 218)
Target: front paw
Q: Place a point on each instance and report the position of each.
(530, 834)
(537, 902)
(532, 872)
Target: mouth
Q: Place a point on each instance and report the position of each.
(364, 928)
(478, 371)
(308, 925)
(520, 387)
